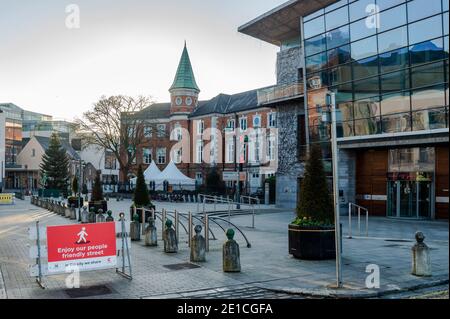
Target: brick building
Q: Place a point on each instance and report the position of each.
(220, 133)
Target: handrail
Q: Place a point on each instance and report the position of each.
(350, 211)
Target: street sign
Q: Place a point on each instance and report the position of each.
(242, 176)
(87, 246)
(230, 176)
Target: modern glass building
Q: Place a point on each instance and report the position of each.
(387, 61)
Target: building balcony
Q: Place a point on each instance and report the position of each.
(278, 93)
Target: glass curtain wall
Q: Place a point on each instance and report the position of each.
(386, 60)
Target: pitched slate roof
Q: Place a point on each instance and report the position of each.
(184, 78)
(45, 142)
(226, 104)
(154, 111)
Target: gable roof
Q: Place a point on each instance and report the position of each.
(184, 78)
(226, 104)
(45, 142)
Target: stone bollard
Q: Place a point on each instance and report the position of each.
(151, 236)
(101, 218)
(84, 216)
(198, 245)
(91, 216)
(421, 262)
(135, 228)
(73, 213)
(170, 238)
(109, 218)
(67, 211)
(231, 255)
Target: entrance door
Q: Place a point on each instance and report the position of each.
(409, 199)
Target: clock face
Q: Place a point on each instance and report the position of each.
(178, 101)
(189, 100)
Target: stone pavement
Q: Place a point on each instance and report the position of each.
(267, 268)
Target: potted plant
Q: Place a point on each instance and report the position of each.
(75, 200)
(312, 233)
(141, 197)
(97, 201)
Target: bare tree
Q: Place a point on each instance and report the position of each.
(114, 125)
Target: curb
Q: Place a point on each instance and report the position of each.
(348, 294)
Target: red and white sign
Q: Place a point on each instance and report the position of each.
(86, 246)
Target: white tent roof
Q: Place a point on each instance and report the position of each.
(173, 175)
(149, 174)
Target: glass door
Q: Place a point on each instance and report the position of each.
(409, 199)
(392, 199)
(424, 199)
(406, 199)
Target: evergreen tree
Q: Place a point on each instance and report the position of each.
(55, 166)
(214, 182)
(75, 185)
(315, 203)
(84, 189)
(141, 195)
(97, 189)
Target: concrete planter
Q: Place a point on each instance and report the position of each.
(312, 243)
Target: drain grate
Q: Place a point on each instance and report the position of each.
(182, 266)
(88, 291)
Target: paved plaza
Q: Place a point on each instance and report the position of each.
(267, 268)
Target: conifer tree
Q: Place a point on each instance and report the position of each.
(97, 188)
(315, 202)
(55, 166)
(75, 185)
(141, 195)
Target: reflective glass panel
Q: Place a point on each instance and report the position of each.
(367, 126)
(316, 62)
(394, 60)
(445, 19)
(359, 30)
(314, 27)
(396, 123)
(339, 55)
(315, 45)
(338, 37)
(361, 9)
(425, 30)
(393, 39)
(366, 108)
(365, 68)
(395, 103)
(392, 18)
(336, 18)
(419, 9)
(385, 4)
(364, 48)
(366, 88)
(428, 74)
(340, 74)
(396, 81)
(430, 119)
(428, 98)
(428, 51)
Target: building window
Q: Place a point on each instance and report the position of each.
(230, 151)
(256, 121)
(200, 127)
(243, 124)
(231, 125)
(270, 148)
(272, 119)
(199, 158)
(110, 160)
(161, 155)
(177, 133)
(147, 155)
(33, 153)
(177, 155)
(161, 130)
(148, 130)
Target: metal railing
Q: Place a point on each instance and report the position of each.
(279, 93)
(351, 208)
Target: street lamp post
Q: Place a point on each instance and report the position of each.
(331, 103)
(80, 189)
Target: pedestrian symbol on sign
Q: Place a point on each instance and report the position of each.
(82, 236)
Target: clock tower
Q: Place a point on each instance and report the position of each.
(184, 90)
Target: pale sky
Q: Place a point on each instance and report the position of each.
(127, 47)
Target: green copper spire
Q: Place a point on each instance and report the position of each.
(184, 79)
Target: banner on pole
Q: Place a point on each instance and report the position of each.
(86, 246)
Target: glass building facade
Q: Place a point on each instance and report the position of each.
(386, 60)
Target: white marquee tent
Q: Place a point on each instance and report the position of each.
(149, 174)
(172, 175)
